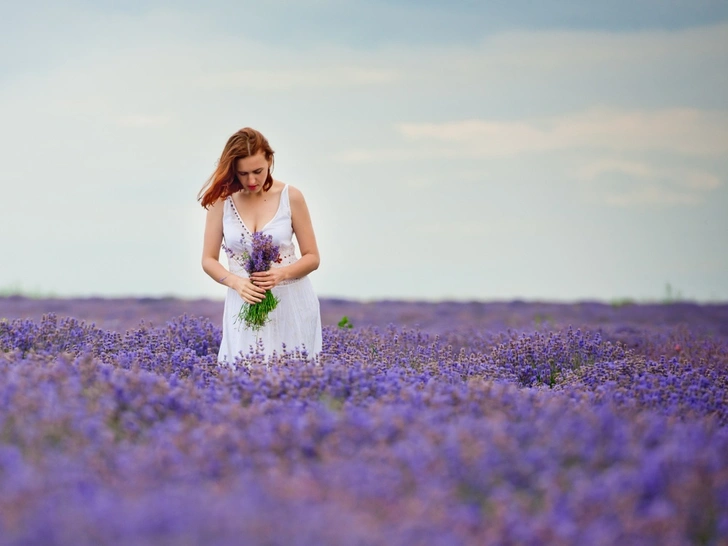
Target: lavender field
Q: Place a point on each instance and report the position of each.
(433, 424)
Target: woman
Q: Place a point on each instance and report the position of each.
(241, 197)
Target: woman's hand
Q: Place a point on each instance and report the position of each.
(268, 279)
(247, 290)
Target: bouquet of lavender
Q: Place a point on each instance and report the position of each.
(263, 254)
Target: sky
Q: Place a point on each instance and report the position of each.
(447, 150)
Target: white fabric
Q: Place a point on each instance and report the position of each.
(295, 323)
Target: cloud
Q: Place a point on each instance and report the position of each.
(619, 135)
(684, 131)
(700, 181)
(632, 144)
(693, 179)
(626, 183)
(651, 195)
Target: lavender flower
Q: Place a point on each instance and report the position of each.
(260, 258)
(473, 430)
(264, 253)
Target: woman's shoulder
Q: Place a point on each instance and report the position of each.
(277, 187)
(294, 194)
(217, 205)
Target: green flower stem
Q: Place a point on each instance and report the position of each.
(255, 316)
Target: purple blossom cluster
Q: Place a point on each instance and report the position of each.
(642, 326)
(395, 435)
(262, 254)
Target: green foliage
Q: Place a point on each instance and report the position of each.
(16, 289)
(541, 319)
(345, 322)
(255, 316)
(622, 302)
(670, 296)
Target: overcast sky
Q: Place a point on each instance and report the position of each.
(561, 150)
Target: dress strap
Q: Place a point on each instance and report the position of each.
(285, 202)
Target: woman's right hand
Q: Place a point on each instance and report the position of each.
(247, 290)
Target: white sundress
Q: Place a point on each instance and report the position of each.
(295, 323)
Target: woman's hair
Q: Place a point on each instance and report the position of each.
(223, 182)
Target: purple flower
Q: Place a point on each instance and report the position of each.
(263, 254)
(260, 258)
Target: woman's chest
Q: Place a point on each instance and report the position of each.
(239, 237)
(256, 214)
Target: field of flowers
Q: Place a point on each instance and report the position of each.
(434, 424)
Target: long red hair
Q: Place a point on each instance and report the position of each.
(223, 182)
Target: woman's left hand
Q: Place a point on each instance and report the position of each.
(268, 279)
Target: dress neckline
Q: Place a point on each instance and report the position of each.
(240, 219)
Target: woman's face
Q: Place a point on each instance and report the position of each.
(252, 172)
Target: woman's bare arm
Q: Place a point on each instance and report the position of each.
(303, 228)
